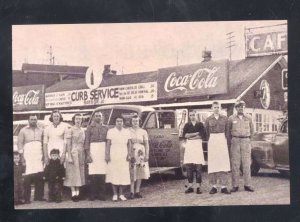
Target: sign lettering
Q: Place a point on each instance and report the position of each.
(28, 97)
(103, 95)
(266, 43)
(207, 78)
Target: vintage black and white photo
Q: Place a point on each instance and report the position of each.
(150, 114)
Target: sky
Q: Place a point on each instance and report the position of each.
(129, 47)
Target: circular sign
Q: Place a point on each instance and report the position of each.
(93, 77)
(266, 94)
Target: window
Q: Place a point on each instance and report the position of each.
(151, 123)
(125, 113)
(166, 120)
(274, 124)
(258, 122)
(265, 122)
(105, 115)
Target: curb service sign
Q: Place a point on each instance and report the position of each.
(103, 95)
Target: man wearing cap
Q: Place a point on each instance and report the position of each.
(240, 131)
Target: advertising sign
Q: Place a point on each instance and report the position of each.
(207, 78)
(266, 43)
(28, 98)
(284, 79)
(103, 95)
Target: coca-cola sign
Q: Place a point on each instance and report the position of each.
(207, 78)
(28, 97)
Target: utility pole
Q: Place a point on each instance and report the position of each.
(230, 42)
(51, 56)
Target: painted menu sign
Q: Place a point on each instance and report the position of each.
(28, 98)
(207, 78)
(103, 95)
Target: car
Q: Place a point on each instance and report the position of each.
(271, 150)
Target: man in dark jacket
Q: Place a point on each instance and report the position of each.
(55, 174)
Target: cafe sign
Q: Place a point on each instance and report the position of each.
(103, 95)
(28, 98)
(266, 43)
(202, 79)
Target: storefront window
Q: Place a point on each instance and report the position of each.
(258, 121)
(274, 124)
(265, 122)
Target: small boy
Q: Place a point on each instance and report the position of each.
(54, 174)
(19, 170)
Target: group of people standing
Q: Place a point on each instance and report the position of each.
(65, 155)
(60, 154)
(229, 148)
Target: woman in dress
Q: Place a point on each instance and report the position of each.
(139, 167)
(117, 156)
(75, 157)
(54, 136)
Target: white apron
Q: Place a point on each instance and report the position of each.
(193, 152)
(33, 155)
(218, 155)
(98, 166)
(56, 143)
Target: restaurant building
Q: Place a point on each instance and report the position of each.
(256, 80)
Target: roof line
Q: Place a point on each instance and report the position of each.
(52, 72)
(260, 76)
(207, 102)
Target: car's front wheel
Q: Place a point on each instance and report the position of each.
(254, 167)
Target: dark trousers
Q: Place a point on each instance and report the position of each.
(37, 180)
(55, 190)
(18, 190)
(192, 168)
(97, 186)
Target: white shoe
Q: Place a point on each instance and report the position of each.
(115, 198)
(122, 197)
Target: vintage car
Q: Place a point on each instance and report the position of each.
(165, 151)
(271, 150)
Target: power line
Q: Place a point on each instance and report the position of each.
(230, 42)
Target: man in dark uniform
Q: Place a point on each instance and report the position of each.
(240, 131)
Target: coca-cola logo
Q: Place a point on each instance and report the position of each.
(201, 78)
(29, 98)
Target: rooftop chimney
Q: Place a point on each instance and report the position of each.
(206, 55)
(108, 72)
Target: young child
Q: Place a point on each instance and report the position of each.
(19, 169)
(54, 174)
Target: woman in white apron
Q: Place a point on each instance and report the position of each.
(117, 157)
(218, 155)
(194, 133)
(75, 177)
(139, 167)
(54, 135)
